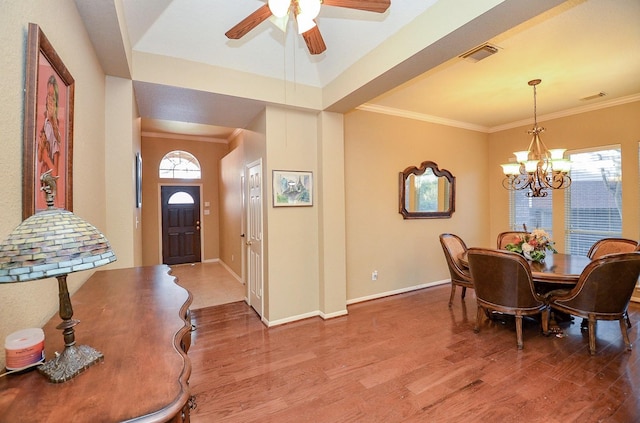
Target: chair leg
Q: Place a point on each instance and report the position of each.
(453, 294)
(625, 334)
(464, 292)
(519, 331)
(592, 334)
(626, 317)
(546, 315)
(479, 318)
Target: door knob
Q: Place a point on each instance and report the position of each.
(248, 242)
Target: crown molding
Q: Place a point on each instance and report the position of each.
(184, 137)
(464, 125)
(420, 116)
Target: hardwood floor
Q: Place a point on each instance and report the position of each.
(408, 358)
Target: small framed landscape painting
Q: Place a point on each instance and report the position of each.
(292, 188)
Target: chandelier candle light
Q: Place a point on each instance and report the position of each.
(538, 168)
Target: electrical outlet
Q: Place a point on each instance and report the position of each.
(374, 275)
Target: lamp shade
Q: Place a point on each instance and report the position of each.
(50, 243)
(309, 8)
(279, 8)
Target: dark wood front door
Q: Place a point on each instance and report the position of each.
(180, 224)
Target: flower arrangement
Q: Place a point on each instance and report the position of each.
(533, 245)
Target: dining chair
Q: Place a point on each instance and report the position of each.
(612, 246)
(603, 292)
(503, 283)
(453, 247)
(509, 237)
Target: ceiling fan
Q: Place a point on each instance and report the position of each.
(304, 12)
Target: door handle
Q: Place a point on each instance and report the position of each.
(249, 242)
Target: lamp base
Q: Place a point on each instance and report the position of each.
(72, 361)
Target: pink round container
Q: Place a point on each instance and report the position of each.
(24, 348)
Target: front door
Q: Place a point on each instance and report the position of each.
(254, 236)
(180, 224)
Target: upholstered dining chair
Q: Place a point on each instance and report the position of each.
(612, 246)
(603, 292)
(509, 237)
(453, 246)
(503, 283)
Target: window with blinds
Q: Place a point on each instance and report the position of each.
(594, 199)
(535, 212)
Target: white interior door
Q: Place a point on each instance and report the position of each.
(254, 236)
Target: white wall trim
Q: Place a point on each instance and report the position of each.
(234, 274)
(184, 137)
(464, 125)
(421, 116)
(340, 313)
(397, 291)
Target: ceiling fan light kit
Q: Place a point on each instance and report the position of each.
(305, 12)
(279, 8)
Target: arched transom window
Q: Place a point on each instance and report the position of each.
(179, 165)
(181, 197)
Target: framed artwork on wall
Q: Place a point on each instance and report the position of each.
(48, 125)
(138, 180)
(292, 188)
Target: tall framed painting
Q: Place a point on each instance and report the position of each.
(48, 125)
(292, 188)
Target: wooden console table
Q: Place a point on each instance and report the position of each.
(138, 318)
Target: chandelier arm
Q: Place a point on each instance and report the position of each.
(543, 176)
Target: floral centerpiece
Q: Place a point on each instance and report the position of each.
(533, 246)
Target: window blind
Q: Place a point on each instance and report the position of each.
(594, 199)
(535, 212)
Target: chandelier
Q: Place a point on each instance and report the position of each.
(538, 168)
(305, 11)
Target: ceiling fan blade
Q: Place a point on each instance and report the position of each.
(378, 6)
(248, 23)
(314, 40)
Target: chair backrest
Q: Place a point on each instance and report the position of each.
(606, 284)
(503, 278)
(611, 246)
(453, 246)
(509, 237)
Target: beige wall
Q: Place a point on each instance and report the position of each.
(123, 142)
(615, 125)
(31, 304)
(231, 244)
(406, 253)
(209, 155)
(292, 236)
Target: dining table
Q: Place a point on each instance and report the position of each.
(557, 270)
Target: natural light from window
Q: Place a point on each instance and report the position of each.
(594, 199)
(181, 197)
(179, 165)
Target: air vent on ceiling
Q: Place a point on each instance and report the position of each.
(594, 96)
(481, 52)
